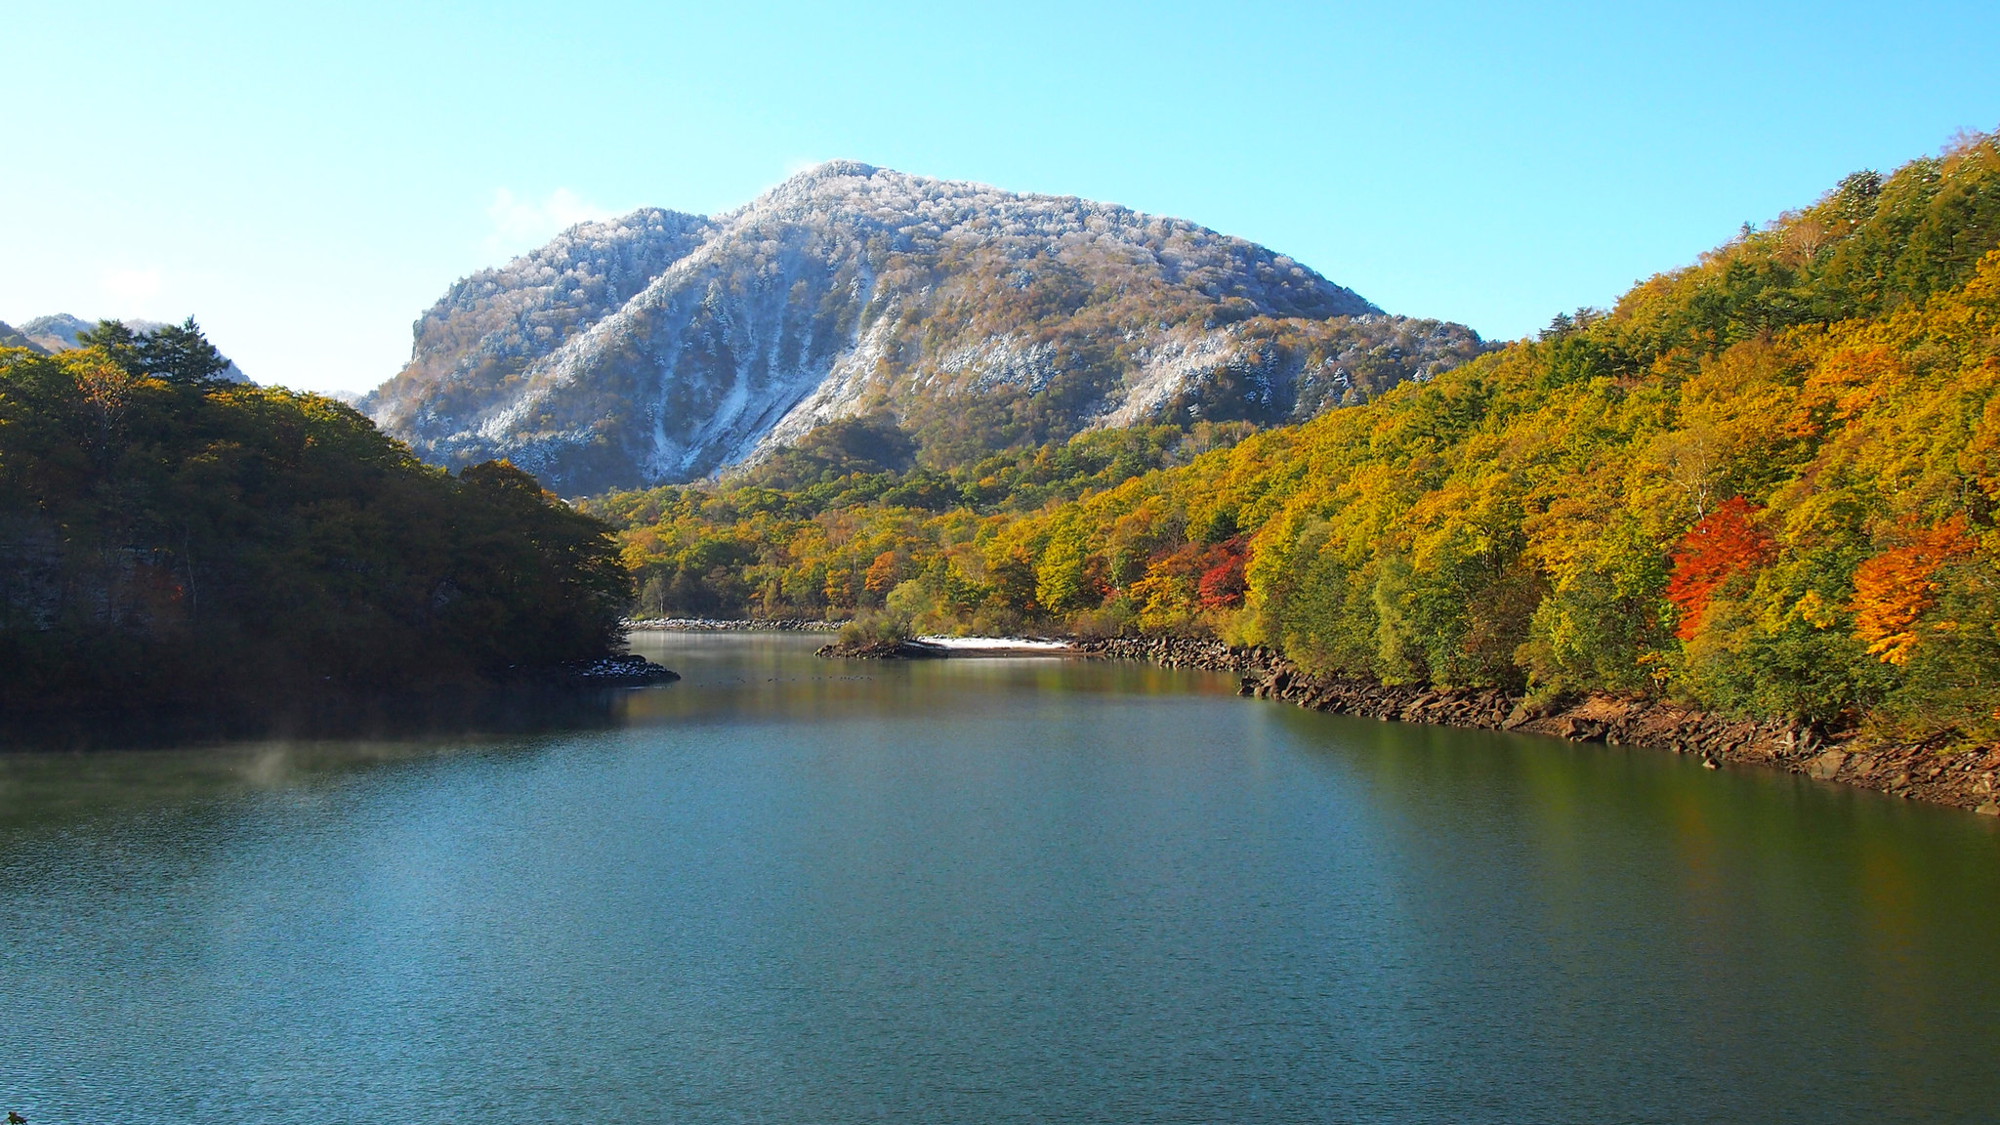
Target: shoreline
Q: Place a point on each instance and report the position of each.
(534, 698)
(1911, 771)
(727, 625)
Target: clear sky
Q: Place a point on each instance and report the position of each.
(305, 179)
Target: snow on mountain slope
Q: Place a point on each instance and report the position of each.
(488, 329)
(662, 347)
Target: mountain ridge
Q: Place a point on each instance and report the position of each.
(12, 337)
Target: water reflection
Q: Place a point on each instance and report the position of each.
(1719, 922)
(42, 789)
(980, 891)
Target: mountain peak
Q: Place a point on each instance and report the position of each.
(838, 169)
(662, 347)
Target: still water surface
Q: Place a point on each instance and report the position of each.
(981, 891)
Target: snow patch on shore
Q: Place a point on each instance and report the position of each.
(995, 644)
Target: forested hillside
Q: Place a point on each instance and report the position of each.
(169, 538)
(1764, 483)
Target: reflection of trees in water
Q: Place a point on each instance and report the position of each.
(59, 774)
(1762, 892)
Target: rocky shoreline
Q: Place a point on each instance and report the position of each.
(1916, 772)
(629, 670)
(876, 650)
(729, 625)
(1920, 772)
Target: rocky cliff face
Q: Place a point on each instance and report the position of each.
(662, 347)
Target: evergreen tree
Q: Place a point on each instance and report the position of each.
(179, 353)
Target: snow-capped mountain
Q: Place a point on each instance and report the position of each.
(661, 346)
(58, 332)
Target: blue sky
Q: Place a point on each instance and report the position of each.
(306, 179)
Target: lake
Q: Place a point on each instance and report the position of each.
(981, 891)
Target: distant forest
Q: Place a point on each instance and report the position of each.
(169, 539)
(1764, 483)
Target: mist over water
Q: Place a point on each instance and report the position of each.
(787, 889)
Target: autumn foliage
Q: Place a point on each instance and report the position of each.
(1893, 590)
(1223, 585)
(1726, 544)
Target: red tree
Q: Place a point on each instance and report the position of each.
(1223, 585)
(1726, 543)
